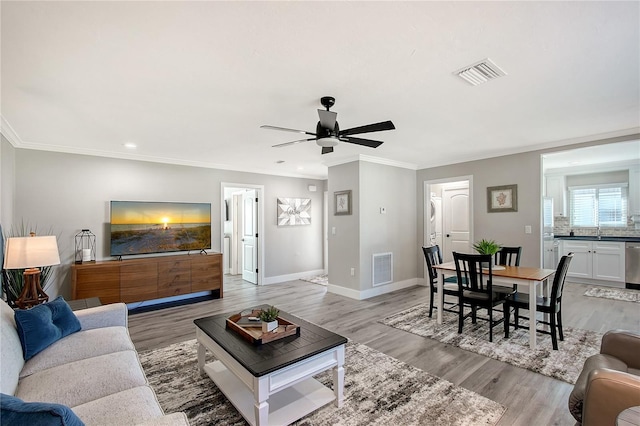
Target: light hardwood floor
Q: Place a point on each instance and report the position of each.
(530, 398)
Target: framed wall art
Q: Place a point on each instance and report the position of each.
(342, 202)
(502, 198)
(294, 211)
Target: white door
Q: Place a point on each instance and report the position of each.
(456, 228)
(325, 218)
(236, 239)
(250, 236)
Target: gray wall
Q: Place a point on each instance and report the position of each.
(70, 192)
(344, 245)
(507, 228)
(7, 183)
(392, 188)
(367, 231)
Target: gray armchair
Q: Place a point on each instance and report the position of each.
(609, 382)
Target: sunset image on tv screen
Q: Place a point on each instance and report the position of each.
(153, 227)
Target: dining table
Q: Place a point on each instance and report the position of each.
(528, 276)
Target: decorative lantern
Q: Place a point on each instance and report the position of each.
(85, 246)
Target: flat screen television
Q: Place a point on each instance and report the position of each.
(141, 227)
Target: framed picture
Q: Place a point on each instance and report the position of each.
(502, 198)
(294, 211)
(342, 202)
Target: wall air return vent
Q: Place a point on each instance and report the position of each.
(382, 268)
(480, 72)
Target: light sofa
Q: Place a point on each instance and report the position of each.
(95, 371)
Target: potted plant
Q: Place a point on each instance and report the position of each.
(487, 247)
(269, 318)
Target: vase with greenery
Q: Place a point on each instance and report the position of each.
(269, 318)
(487, 247)
(13, 279)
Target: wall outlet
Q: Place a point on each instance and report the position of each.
(527, 229)
(353, 272)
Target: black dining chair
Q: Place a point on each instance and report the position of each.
(433, 256)
(547, 305)
(475, 288)
(507, 256)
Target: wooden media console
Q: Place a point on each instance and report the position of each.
(136, 280)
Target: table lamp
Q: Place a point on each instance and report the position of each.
(29, 253)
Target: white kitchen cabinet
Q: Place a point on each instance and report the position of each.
(581, 264)
(608, 261)
(595, 260)
(555, 188)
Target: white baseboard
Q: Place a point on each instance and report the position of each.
(292, 277)
(372, 292)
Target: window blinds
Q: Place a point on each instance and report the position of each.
(598, 205)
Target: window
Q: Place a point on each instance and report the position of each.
(599, 205)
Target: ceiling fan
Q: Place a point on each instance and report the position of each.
(328, 133)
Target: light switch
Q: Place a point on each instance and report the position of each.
(383, 210)
(333, 230)
(527, 229)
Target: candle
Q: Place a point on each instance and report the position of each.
(86, 255)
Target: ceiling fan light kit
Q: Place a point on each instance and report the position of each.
(328, 133)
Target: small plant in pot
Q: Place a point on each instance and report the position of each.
(487, 247)
(269, 318)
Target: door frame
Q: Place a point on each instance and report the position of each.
(261, 231)
(426, 219)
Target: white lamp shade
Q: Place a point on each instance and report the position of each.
(31, 252)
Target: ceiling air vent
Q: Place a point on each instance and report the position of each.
(480, 72)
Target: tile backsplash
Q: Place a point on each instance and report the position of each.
(562, 227)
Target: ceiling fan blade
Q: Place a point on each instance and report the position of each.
(327, 149)
(377, 127)
(284, 129)
(292, 142)
(359, 141)
(327, 118)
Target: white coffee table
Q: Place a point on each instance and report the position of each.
(272, 384)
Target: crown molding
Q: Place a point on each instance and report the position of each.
(162, 160)
(10, 134)
(597, 139)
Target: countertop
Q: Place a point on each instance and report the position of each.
(602, 238)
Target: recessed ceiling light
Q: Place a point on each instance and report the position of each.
(300, 168)
(130, 145)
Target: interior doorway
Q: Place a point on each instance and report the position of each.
(448, 215)
(242, 224)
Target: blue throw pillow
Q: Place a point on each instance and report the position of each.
(16, 412)
(45, 324)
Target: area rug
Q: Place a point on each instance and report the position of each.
(564, 364)
(614, 293)
(319, 279)
(378, 389)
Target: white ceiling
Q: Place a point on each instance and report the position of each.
(191, 82)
